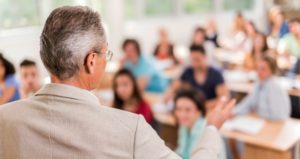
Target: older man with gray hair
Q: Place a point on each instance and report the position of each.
(65, 121)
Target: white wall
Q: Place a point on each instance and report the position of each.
(23, 43)
(181, 27)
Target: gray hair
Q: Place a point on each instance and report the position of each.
(69, 34)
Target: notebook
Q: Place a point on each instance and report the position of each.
(245, 124)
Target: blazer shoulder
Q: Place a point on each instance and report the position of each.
(13, 108)
(13, 105)
(128, 119)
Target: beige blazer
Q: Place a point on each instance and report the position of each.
(65, 122)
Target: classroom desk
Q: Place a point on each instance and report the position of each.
(236, 57)
(174, 72)
(246, 87)
(275, 141)
(242, 82)
(231, 57)
(162, 117)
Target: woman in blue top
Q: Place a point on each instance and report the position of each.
(149, 78)
(9, 88)
(190, 114)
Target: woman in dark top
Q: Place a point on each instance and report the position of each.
(9, 87)
(128, 97)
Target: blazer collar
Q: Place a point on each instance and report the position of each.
(67, 91)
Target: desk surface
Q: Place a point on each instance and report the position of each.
(280, 136)
(162, 117)
(232, 57)
(239, 81)
(173, 73)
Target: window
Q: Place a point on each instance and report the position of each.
(19, 13)
(198, 6)
(159, 7)
(59, 3)
(130, 9)
(238, 4)
(96, 5)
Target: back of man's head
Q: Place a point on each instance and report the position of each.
(69, 34)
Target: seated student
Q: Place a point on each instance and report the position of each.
(190, 114)
(251, 31)
(148, 76)
(199, 38)
(236, 36)
(30, 78)
(127, 96)
(9, 87)
(164, 51)
(279, 26)
(259, 48)
(290, 43)
(212, 32)
(267, 99)
(201, 76)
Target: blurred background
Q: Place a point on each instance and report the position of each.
(21, 21)
(222, 48)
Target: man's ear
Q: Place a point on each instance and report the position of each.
(90, 62)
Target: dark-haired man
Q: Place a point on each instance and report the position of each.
(201, 76)
(30, 78)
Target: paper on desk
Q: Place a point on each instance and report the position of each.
(245, 124)
(163, 107)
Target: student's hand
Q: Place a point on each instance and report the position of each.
(221, 112)
(167, 97)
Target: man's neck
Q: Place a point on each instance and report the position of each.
(75, 82)
(135, 60)
(201, 70)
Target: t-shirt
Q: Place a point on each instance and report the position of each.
(291, 44)
(11, 81)
(145, 68)
(213, 79)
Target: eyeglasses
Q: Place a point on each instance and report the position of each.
(108, 55)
